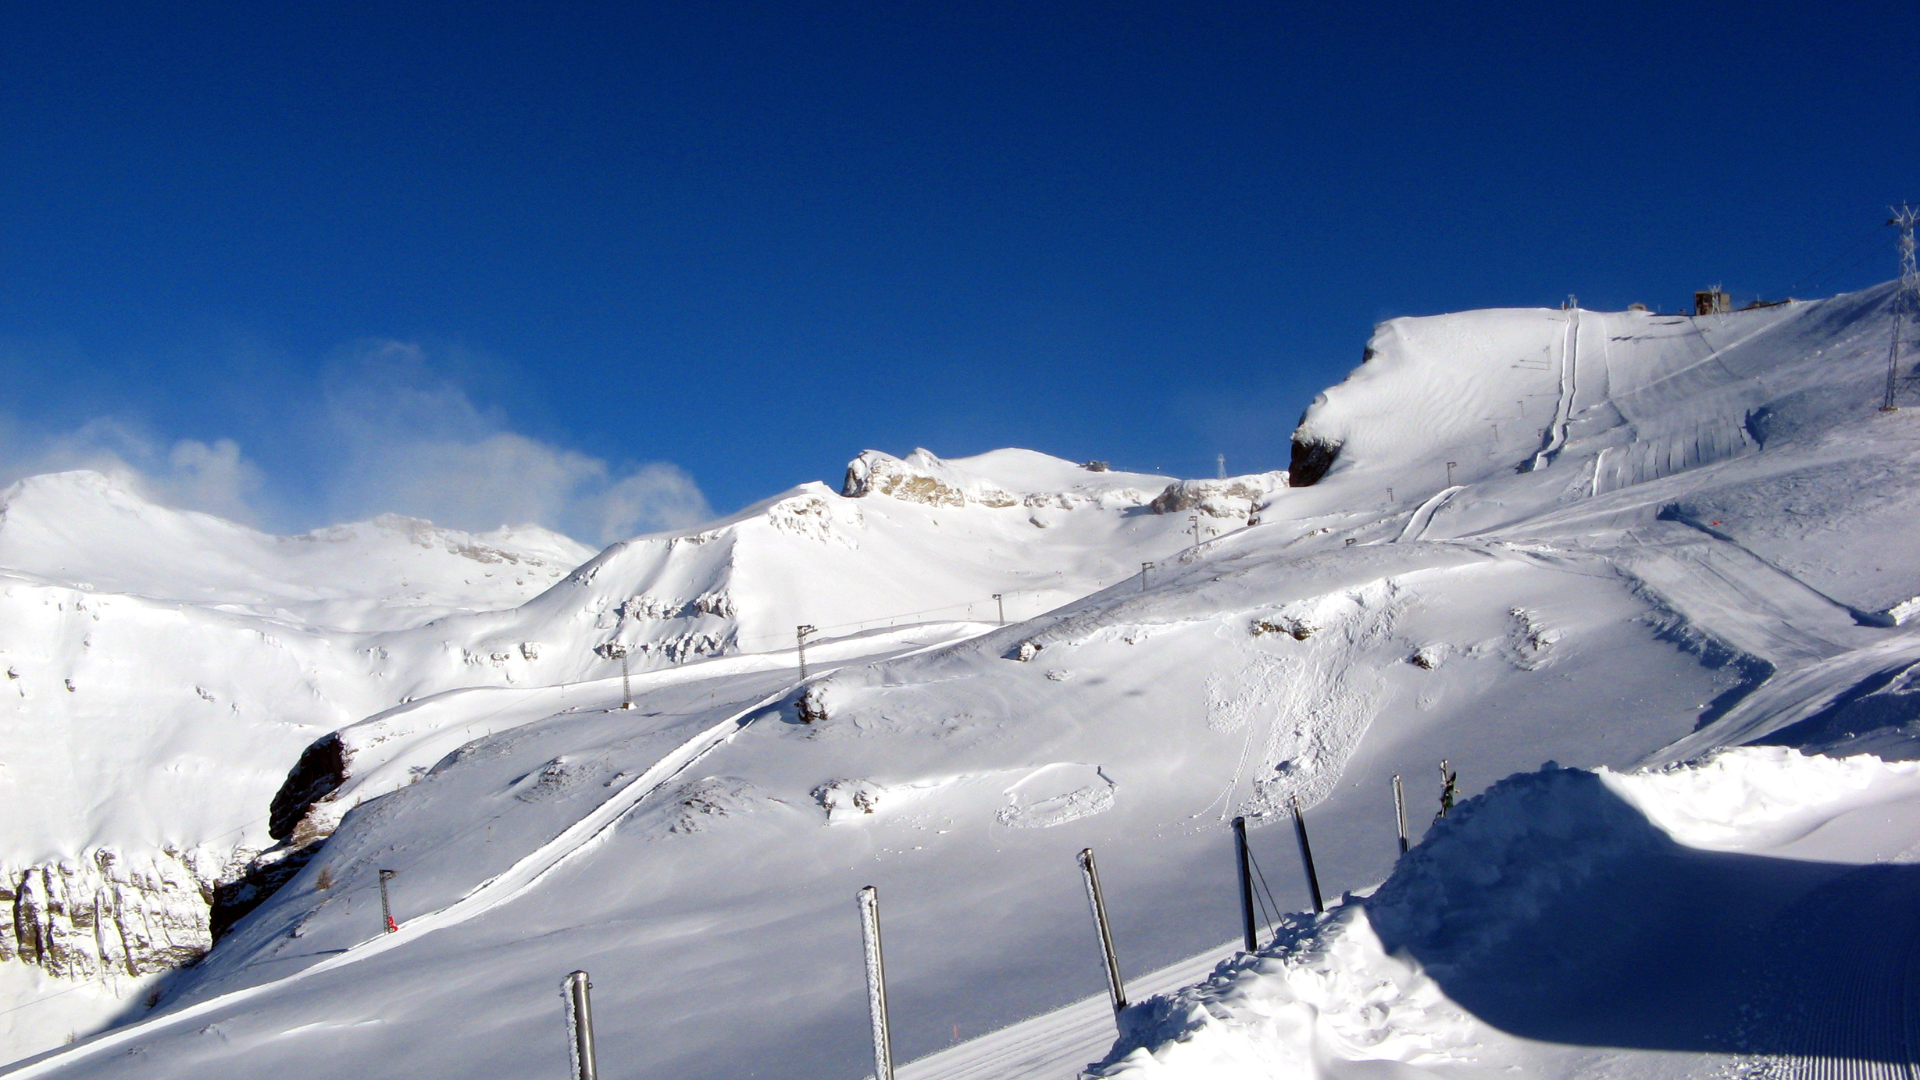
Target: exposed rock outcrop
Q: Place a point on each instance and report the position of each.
(107, 913)
(321, 769)
(1236, 496)
(1311, 460)
(272, 868)
(918, 477)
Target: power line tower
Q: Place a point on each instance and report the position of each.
(1906, 302)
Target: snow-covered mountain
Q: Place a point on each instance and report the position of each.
(1616, 541)
(168, 668)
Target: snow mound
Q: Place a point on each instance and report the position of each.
(1401, 976)
(1328, 993)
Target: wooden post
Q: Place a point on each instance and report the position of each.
(1116, 989)
(580, 1025)
(1246, 883)
(876, 984)
(1306, 857)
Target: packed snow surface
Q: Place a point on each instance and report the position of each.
(1671, 554)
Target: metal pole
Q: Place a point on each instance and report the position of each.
(1144, 567)
(1893, 366)
(1116, 990)
(580, 1025)
(1306, 857)
(876, 984)
(800, 638)
(386, 909)
(1400, 811)
(1450, 466)
(626, 683)
(1002, 604)
(1246, 883)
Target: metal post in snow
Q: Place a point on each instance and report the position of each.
(579, 1024)
(800, 638)
(1002, 605)
(1400, 811)
(1450, 466)
(1306, 857)
(617, 650)
(876, 984)
(1246, 882)
(386, 909)
(1116, 990)
(1221, 461)
(1144, 567)
(1195, 518)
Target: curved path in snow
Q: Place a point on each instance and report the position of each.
(504, 887)
(1422, 517)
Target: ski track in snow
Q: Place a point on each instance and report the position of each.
(1422, 517)
(1563, 409)
(503, 888)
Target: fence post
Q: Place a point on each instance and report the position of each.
(1400, 812)
(1306, 856)
(580, 1025)
(1246, 883)
(876, 984)
(386, 909)
(1116, 990)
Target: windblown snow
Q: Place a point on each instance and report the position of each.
(1671, 557)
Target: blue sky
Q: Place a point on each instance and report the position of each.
(609, 267)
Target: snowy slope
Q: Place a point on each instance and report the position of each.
(196, 658)
(1649, 553)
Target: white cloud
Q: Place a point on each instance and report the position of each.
(508, 479)
(394, 437)
(189, 474)
(415, 443)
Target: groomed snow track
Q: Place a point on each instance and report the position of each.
(1845, 989)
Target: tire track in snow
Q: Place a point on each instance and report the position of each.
(503, 888)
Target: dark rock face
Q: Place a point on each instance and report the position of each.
(321, 769)
(263, 876)
(1311, 460)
